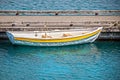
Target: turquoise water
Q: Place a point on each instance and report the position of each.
(59, 4)
(97, 61)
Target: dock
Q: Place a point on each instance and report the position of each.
(35, 20)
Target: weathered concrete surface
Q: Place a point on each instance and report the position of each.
(58, 18)
(111, 24)
(60, 12)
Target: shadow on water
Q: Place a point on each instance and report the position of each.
(78, 49)
(85, 50)
(85, 53)
(61, 50)
(91, 52)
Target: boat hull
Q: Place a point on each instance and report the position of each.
(88, 40)
(83, 39)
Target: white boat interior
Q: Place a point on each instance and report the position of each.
(54, 34)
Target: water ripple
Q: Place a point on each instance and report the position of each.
(97, 61)
(59, 5)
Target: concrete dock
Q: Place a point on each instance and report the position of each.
(111, 24)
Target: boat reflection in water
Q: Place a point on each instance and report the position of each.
(82, 53)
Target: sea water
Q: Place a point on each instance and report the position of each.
(59, 4)
(95, 61)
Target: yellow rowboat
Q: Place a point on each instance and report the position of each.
(54, 38)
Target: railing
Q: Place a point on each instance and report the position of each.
(60, 13)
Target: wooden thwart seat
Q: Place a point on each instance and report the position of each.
(67, 34)
(46, 36)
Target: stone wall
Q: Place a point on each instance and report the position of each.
(35, 20)
(60, 12)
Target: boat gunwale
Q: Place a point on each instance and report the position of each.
(57, 40)
(62, 37)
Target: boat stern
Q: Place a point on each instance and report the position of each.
(100, 28)
(11, 37)
(97, 35)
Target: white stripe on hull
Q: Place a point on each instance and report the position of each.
(88, 40)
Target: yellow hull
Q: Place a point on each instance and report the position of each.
(58, 40)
